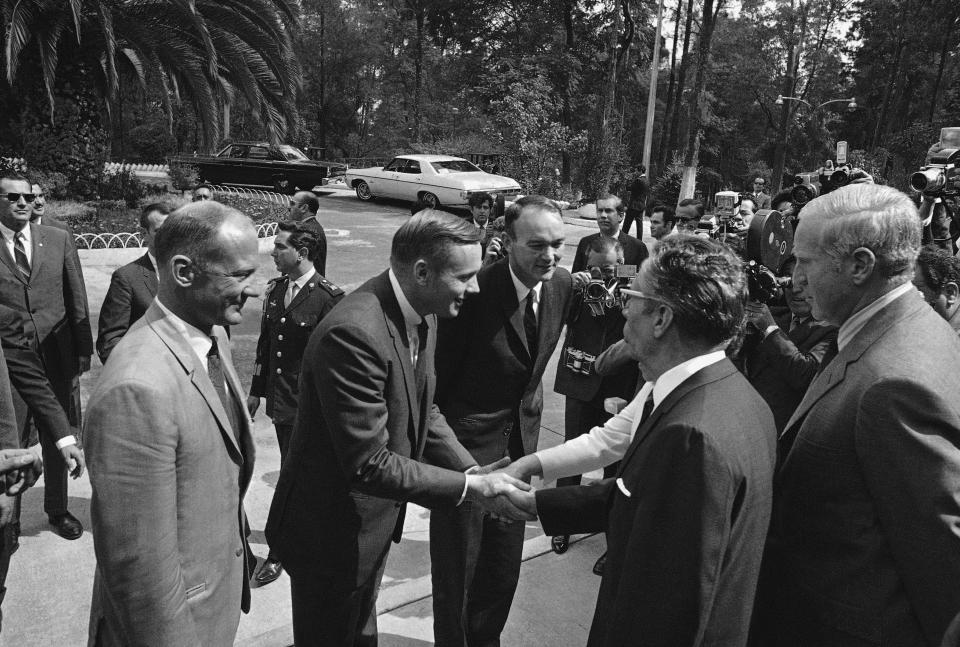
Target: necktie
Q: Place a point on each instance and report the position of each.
(422, 332)
(647, 409)
(530, 324)
(292, 290)
(218, 377)
(21, 255)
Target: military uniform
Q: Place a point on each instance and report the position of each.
(284, 332)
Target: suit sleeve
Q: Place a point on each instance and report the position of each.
(352, 384)
(258, 382)
(442, 448)
(908, 441)
(580, 257)
(9, 438)
(75, 299)
(574, 510)
(29, 379)
(114, 315)
(133, 471)
(320, 264)
(613, 359)
(796, 367)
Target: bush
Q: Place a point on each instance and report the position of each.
(79, 216)
(184, 177)
(12, 165)
(55, 185)
(122, 185)
(260, 211)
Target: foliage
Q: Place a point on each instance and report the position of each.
(260, 211)
(12, 165)
(122, 185)
(184, 177)
(55, 185)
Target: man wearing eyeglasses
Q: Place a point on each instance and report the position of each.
(687, 515)
(759, 196)
(170, 447)
(41, 279)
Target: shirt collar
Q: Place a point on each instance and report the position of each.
(305, 278)
(8, 233)
(410, 316)
(153, 261)
(198, 340)
(677, 375)
(523, 290)
(858, 320)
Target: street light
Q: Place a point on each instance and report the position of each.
(851, 102)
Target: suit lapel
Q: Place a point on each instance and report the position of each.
(302, 294)
(511, 307)
(397, 328)
(149, 274)
(37, 240)
(10, 262)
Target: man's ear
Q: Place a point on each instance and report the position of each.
(863, 265)
(421, 272)
(663, 317)
(184, 271)
(951, 292)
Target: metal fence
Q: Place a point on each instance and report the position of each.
(266, 196)
(131, 240)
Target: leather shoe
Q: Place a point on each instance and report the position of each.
(66, 525)
(560, 544)
(601, 562)
(269, 571)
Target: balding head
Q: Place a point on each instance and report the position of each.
(303, 204)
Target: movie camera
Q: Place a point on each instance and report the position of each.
(601, 294)
(938, 183)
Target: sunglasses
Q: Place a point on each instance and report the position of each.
(15, 197)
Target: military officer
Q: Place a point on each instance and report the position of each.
(295, 302)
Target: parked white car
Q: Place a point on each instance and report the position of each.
(434, 179)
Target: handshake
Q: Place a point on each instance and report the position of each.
(502, 494)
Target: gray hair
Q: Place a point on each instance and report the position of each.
(193, 231)
(879, 218)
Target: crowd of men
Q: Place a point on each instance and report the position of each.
(773, 476)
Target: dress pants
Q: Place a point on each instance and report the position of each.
(8, 541)
(284, 432)
(628, 219)
(326, 615)
(475, 561)
(580, 417)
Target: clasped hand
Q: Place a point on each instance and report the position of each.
(500, 494)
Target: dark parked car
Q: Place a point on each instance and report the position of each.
(282, 168)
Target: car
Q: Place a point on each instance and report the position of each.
(433, 179)
(282, 168)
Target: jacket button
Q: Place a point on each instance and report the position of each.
(239, 552)
(283, 320)
(279, 354)
(279, 371)
(280, 337)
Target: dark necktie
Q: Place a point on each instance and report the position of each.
(422, 331)
(647, 409)
(21, 255)
(218, 377)
(530, 325)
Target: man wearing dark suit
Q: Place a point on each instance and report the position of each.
(40, 216)
(490, 362)
(865, 540)
(40, 277)
(365, 425)
(304, 208)
(295, 303)
(937, 276)
(132, 286)
(760, 199)
(687, 516)
(609, 214)
(171, 452)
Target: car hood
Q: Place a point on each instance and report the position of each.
(478, 181)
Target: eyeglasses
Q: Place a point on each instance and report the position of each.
(627, 295)
(15, 197)
(239, 277)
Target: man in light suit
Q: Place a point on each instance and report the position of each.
(41, 279)
(132, 287)
(365, 424)
(687, 516)
(170, 448)
(865, 539)
(490, 364)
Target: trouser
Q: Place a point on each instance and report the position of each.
(7, 542)
(629, 218)
(324, 616)
(284, 432)
(580, 417)
(475, 565)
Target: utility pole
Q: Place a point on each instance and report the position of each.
(652, 94)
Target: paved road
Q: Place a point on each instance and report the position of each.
(50, 578)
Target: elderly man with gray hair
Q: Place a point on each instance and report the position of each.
(865, 545)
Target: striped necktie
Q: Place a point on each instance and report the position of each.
(20, 255)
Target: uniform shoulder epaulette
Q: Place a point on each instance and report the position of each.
(332, 289)
(275, 280)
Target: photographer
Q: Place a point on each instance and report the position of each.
(937, 276)
(588, 335)
(689, 213)
(784, 353)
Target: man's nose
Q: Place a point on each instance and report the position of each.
(473, 286)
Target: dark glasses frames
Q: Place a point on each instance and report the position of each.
(15, 197)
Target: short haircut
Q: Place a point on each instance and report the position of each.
(619, 206)
(873, 216)
(704, 284)
(512, 214)
(477, 199)
(669, 215)
(204, 185)
(783, 196)
(429, 235)
(938, 267)
(13, 176)
(760, 179)
(154, 207)
(604, 245)
(693, 202)
(310, 199)
(193, 231)
(301, 238)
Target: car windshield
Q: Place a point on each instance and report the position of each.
(293, 154)
(454, 166)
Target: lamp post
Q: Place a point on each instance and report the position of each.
(851, 102)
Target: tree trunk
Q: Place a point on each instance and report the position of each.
(672, 140)
(668, 111)
(789, 108)
(418, 72)
(895, 72)
(565, 161)
(322, 98)
(944, 51)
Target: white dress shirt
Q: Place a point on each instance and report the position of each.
(8, 235)
(858, 320)
(523, 292)
(608, 444)
(198, 340)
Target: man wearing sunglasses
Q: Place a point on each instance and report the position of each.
(41, 280)
(687, 515)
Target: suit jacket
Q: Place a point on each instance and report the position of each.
(168, 473)
(53, 301)
(9, 431)
(320, 262)
(762, 200)
(365, 422)
(634, 250)
(784, 363)
(488, 381)
(132, 289)
(284, 333)
(50, 221)
(866, 533)
(685, 520)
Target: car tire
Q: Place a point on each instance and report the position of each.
(430, 200)
(363, 191)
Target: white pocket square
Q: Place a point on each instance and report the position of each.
(623, 488)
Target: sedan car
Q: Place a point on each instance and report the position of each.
(282, 168)
(434, 179)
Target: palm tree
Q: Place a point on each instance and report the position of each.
(207, 52)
